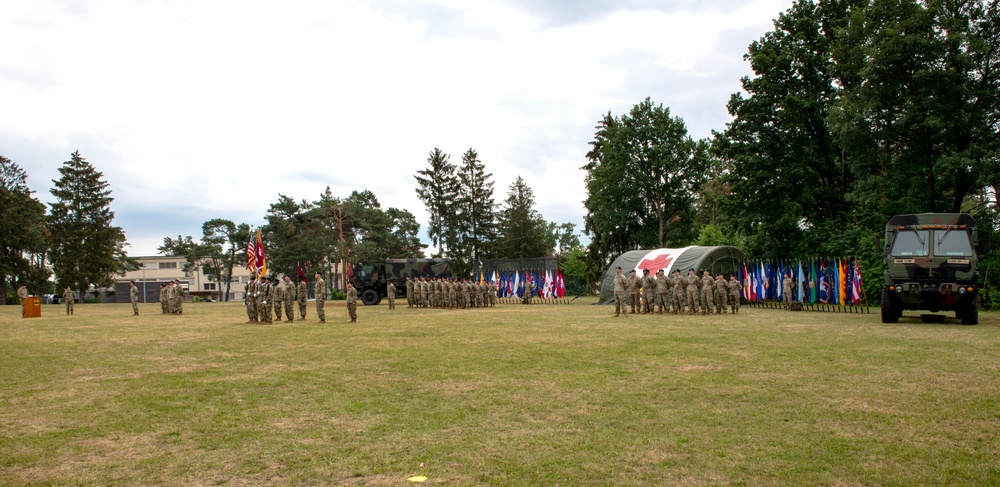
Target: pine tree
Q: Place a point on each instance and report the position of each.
(21, 236)
(85, 247)
(476, 211)
(524, 233)
(438, 188)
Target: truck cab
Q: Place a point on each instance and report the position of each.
(931, 263)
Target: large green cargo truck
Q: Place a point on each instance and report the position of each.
(931, 263)
(371, 280)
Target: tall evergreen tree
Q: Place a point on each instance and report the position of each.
(86, 248)
(523, 231)
(22, 252)
(475, 213)
(438, 188)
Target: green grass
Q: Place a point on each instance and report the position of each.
(516, 395)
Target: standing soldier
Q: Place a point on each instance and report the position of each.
(634, 290)
(303, 295)
(289, 298)
(735, 290)
(278, 290)
(319, 288)
(493, 294)
(163, 298)
(264, 302)
(409, 292)
(250, 298)
(693, 291)
(648, 292)
(621, 284)
(680, 285)
(352, 302)
(662, 292)
(69, 296)
(390, 289)
(178, 297)
(707, 292)
(22, 294)
(425, 289)
(721, 294)
(133, 295)
(528, 288)
(786, 290)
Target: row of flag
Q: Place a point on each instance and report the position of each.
(548, 283)
(833, 281)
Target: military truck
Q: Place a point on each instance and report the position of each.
(372, 280)
(931, 264)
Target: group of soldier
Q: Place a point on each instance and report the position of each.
(442, 292)
(676, 294)
(171, 298)
(265, 299)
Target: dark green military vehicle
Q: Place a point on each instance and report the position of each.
(372, 280)
(931, 264)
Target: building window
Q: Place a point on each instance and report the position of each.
(168, 265)
(209, 286)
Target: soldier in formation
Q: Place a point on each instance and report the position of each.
(319, 288)
(409, 292)
(279, 297)
(786, 290)
(250, 299)
(735, 290)
(693, 292)
(648, 283)
(679, 285)
(302, 294)
(721, 294)
(289, 298)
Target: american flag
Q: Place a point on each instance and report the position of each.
(252, 256)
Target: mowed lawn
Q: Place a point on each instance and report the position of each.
(514, 395)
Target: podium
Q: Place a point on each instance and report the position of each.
(32, 307)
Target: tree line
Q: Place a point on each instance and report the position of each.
(857, 110)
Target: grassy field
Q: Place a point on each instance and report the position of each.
(516, 395)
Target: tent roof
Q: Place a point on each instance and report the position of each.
(725, 259)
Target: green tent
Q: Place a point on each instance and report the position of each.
(724, 259)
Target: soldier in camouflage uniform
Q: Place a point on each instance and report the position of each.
(390, 289)
(735, 289)
(352, 302)
(302, 294)
(248, 299)
(786, 290)
(529, 286)
(163, 298)
(648, 292)
(634, 291)
(662, 292)
(69, 296)
(693, 291)
(319, 288)
(493, 294)
(679, 286)
(707, 292)
(266, 301)
(289, 299)
(721, 294)
(278, 288)
(409, 292)
(621, 284)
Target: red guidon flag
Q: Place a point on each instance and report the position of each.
(260, 258)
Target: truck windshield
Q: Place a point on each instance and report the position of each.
(948, 243)
(910, 243)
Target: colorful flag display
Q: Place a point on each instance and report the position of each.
(826, 281)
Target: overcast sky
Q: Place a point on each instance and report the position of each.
(196, 110)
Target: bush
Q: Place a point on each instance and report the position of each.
(197, 299)
(338, 295)
(92, 300)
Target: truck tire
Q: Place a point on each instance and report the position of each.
(890, 311)
(370, 297)
(970, 316)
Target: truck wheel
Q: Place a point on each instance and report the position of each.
(370, 297)
(890, 312)
(970, 316)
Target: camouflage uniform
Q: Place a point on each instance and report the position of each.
(721, 294)
(303, 296)
(163, 298)
(278, 289)
(22, 294)
(248, 300)
(662, 292)
(264, 302)
(735, 289)
(693, 291)
(493, 294)
(69, 296)
(707, 293)
(409, 292)
(319, 288)
(634, 291)
(133, 296)
(648, 292)
(178, 298)
(528, 288)
(352, 303)
(621, 283)
(786, 291)
(289, 299)
(425, 288)
(390, 289)
(680, 286)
